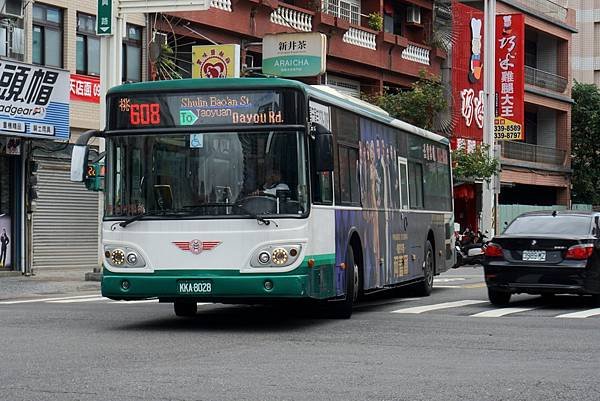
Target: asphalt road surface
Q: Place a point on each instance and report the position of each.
(452, 345)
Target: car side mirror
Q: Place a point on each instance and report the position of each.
(323, 148)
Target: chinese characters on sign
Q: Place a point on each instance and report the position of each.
(33, 101)
(218, 61)
(467, 76)
(85, 88)
(510, 83)
(294, 54)
(104, 20)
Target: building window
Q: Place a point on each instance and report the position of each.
(47, 35)
(88, 45)
(132, 54)
(345, 9)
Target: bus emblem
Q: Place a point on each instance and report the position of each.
(196, 246)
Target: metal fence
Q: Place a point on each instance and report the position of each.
(544, 79)
(533, 153)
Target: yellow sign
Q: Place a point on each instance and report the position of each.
(218, 61)
(505, 129)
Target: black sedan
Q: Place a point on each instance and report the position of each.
(554, 252)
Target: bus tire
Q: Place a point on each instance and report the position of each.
(424, 287)
(343, 309)
(185, 307)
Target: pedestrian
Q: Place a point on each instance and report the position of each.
(4, 240)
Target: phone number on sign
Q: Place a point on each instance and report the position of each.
(508, 132)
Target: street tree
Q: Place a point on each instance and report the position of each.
(585, 143)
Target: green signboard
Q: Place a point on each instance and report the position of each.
(104, 18)
(294, 54)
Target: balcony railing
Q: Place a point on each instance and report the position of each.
(416, 53)
(292, 18)
(547, 7)
(224, 5)
(358, 37)
(533, 153)
(544, 79)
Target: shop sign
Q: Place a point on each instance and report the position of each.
(34, 101)
(294, 54)
(84, 88)
(510, 77)
(104, 19)
(218, 61)
(467, 75)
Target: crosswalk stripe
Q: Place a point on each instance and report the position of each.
(443, 305)
(581, 314)
(27, 301)
(501, 312)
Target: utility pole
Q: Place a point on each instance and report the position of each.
(488, 208)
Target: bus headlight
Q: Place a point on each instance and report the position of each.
(123, 256)
(117, 257)
(276, 255)
(279, 256)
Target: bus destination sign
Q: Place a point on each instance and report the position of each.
(206, 109)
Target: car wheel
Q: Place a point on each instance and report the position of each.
(424, 287)
(499, 298)
(185, 307)
(343, 309)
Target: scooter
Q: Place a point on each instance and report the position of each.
(470, 248)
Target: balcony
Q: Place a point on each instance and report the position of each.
(533, 153)
(416, 53)
(292, 17)
(224, 5)
(547, 7)
(546, 80)
(360, 37)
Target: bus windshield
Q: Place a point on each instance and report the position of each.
(208, 175)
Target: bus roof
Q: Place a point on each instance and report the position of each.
(318, 92)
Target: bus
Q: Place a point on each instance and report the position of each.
(266, 190)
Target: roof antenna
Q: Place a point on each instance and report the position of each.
(554, 213)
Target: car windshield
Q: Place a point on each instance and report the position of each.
(207, 175)
(552, 225)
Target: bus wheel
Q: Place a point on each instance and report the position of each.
(424, 288)
(343, 309)
(185, 307)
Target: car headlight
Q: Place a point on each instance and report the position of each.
(123, 256)
(276, 256)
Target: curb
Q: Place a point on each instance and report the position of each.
(10, 273)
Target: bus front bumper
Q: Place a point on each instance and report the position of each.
(167, 286)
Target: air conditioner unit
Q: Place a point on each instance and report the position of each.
(413, 14)
(11, 8)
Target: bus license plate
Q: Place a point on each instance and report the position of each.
(537, 256)
(194, 286)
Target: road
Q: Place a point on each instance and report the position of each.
(452, 345)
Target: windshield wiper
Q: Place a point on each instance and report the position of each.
(147, 214)
(258, 218)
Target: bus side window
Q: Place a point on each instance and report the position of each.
(415, 175)
(403, 169)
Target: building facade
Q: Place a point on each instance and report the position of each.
(50, 221)
(536, 170)
(586, 42)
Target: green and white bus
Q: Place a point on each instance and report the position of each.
(261, 190)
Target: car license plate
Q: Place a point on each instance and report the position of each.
(537, 256)
(194, 286)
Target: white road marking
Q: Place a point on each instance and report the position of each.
(27, 301)
(581, 314)
(448, 280)
(443, 305)
(71, 301)
(501, 312)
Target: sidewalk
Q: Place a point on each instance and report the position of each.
(46, 283)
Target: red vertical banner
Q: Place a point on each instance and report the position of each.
(510, 77)
(467, 75)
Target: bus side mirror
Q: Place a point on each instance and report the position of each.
(79, 162)
(323, 148)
